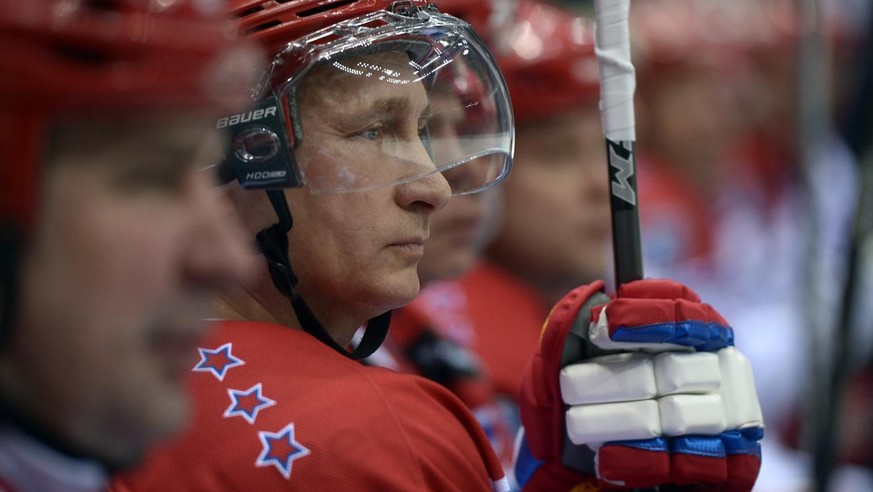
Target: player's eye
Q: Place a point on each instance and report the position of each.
(371, 133)
(154, 176)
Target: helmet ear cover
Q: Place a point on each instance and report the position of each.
(258, 154)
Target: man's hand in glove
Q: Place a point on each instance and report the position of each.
(640, 390)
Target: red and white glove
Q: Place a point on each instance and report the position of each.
(641, 390)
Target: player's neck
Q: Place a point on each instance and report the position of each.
(259, 301)
(262, 301)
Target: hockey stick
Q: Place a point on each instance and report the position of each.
(617, 83)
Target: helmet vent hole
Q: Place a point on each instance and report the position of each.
(322, 8)
(81, 54)
(375, 23)
(104, 5)
(248, 11)
(262, 27)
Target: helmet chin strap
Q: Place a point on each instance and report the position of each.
(10, 260)
(273, 242)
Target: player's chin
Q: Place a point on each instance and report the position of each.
(149, 421)
(587, 268)
(165, 413)
(173, 345)
(172, 413)
(398, 288)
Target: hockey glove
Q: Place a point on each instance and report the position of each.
(641, 390)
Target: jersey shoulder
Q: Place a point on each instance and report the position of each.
(274, 408)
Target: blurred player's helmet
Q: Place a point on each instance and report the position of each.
(468, 131)
(484, 15)
(64, 59)
(547, 55)
(545, 52)
(668, 33)
(67, 59)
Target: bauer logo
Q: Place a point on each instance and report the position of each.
(622, 170)
(254, 176)
(246, 117)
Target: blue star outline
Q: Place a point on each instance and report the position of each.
(280, 450)
(248, 403)
(217, 361)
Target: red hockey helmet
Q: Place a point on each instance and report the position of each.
(666, 34)
(64, 58)
(547, 55)
(337, 36)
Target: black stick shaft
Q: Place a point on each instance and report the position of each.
(624, 206)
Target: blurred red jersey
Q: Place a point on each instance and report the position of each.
(507, 316)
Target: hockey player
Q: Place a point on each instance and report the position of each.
(112, 237)
(357, 86)
(555, 216)
(344, 126)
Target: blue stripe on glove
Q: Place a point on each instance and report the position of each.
(526, 464)
(703, 336)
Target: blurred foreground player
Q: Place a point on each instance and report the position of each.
(112, 234)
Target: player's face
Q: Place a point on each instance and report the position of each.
(457, 230)
(356, 253)
(556, 207)
(455, 239)
(133, 240)
(693, 140)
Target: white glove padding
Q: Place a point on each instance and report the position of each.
(641, 396)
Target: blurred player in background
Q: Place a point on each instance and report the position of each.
(113, 236)
(476, 334)
(728, 203)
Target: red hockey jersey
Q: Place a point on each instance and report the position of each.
(274, 409)
(507, 316)
(432, 337)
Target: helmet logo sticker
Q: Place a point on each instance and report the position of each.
(254, 115)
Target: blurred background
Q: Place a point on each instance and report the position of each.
(753, 129)
(753, 123)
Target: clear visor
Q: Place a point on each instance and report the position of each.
(392, 99)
